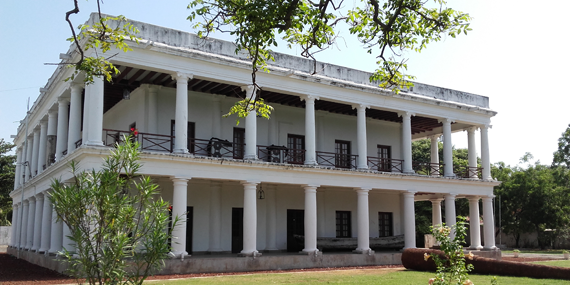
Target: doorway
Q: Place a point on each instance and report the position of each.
(295, 226)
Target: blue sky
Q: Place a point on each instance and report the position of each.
(515, 55)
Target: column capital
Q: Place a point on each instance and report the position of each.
(76, 86)
(62, 100)
(249, 183)
(31, 199)
(182, 76)
(488, 197)
(473, 198)
(362, 191)
(180, 179)
(471, 129)
(152, 87)
(26, 202)
(249, 90)
(360, 107)
(39, 197)
(307, 98)
(438, 200)
(450, 195)
(486, 126)
(406, 114)
(409, 193)
(446, 121)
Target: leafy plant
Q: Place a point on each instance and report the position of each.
(451, 269)
(117, 220)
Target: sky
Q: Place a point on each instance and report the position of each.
(516, 55)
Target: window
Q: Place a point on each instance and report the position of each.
(342, 156)
(239, 143)
(385, 224)
(296, 146)
(384, 156)
(343, 228)
(191, 135)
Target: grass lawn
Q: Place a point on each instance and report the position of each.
(561, 263)
(545, 251)
(388, 276)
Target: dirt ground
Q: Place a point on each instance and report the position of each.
(15, 271)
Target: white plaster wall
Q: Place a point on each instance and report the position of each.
(5, 235)
(285, 120)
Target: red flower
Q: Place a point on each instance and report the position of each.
(134, 131)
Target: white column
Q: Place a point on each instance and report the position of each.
(179, 205)
(363, 221)
(249, 219)
(471, 151)
(409, 220)
(46, 224)
(94, 96)
(361, 136)
(321, 214)
(67, 243)
(30, 224)
(42, 155)
(407, 141)
(56, 234)
(436, 212)
(474, 225)
(215, 216)
(28, 163)
(310, 130)
(488, 222)
(450, 217)
(51, 136)
(38, 222)
(62, 122)
(18, 177)
(181, 125)
(250, 126)
(485, 160)
(23, 228)
(35, 151)
(271, 219)
(15, 221)
(447, 148)
(434, 154)
(310, 218)
(74, 116)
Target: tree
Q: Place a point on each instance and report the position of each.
(533, 199)
(7, 174)
(113, 215)
(387, 28)
(562, 155)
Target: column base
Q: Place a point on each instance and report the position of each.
(180, 151)
(363, 251)
(178, 255)
(94, 143)
(490, 248)
(363, 168)
(409, 171)
(452, 175)
(310, 162)
(314, 252)
(250, 157)
(479, 247)
(248, 254)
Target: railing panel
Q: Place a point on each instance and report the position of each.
(280, 154)
(464, 171)
(427, 168)
(385, 164)
(336, 160)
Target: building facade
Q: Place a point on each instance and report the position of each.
(334, 161)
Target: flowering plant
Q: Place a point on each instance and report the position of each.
(134, 132)
(451, 269)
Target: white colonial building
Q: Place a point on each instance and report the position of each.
(334, 160)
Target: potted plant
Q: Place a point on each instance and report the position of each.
(516, 252)
(566, 254)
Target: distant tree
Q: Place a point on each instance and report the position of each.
(7, 175)
(534, 198)
(562, 155)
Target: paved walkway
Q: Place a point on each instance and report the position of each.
(3, 248)
(536, 255)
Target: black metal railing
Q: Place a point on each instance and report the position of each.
(78, 143)
(464, 171)
(385, 164)
(280, 154)
(427, 168)
(336, 160)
